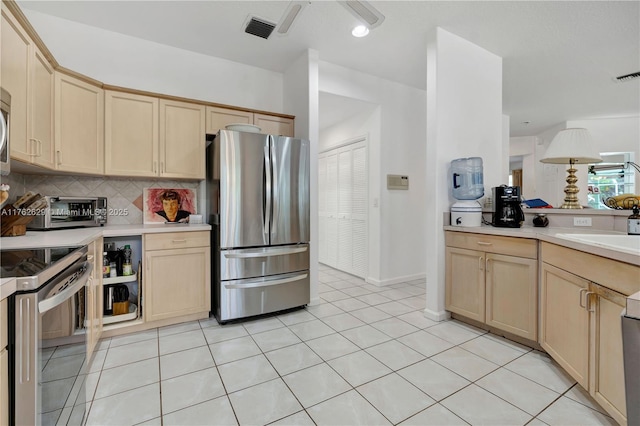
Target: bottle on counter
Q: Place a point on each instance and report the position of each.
(106, 266)
(126, 264)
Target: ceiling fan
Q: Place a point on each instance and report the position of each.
(362, 10)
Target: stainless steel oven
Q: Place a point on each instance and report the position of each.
(47, 340)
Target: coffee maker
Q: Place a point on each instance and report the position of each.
(507, 212)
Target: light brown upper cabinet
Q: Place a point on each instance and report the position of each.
(79, 125)
(28, 77)
(131, 134)
(274, 125)
(151, 137)
(182, 140)
(218, 118)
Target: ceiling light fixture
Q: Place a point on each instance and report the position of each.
(360, 31)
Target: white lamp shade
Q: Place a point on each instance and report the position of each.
(572, 145)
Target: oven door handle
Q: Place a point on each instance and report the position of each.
(59, 298)
(86, 199)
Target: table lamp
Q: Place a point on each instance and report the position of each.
(572, 146)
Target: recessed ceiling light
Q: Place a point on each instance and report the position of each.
(360, 31)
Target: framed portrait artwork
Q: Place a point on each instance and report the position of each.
(168, 205)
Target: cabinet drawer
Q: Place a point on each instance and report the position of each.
(512, 246)
(3, 324)
(175, 240)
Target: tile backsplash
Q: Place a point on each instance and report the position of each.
(122, 193)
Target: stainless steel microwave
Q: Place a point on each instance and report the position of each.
(5, 109)
(70, 212)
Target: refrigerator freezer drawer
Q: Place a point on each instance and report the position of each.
(245, 298)
(257, 262)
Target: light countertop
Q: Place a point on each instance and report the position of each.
(83, 236)
(550, 235)
(80, 237)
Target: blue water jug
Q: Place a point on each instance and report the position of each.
(467, 178)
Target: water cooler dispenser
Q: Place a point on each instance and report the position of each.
(467, 187)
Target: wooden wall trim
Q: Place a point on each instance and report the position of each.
(31, 32)
(193, 101)
(79, 76)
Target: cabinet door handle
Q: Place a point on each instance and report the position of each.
(59, 154)
(481, 263)
(178, 241)
(163, 169)
(31, 150)
(155, 166)
(482, 243)
(583, 291)
(588, 302)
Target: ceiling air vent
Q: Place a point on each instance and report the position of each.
(259, 27)
(628, 77)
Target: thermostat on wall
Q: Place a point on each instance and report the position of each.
(397, 182)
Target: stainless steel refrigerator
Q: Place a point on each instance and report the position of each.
(258, 205)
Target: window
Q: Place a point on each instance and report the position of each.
(613, 181)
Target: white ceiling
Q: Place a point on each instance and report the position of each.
(559, 57)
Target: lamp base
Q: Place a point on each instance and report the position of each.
(571, 190)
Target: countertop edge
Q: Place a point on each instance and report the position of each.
(81, 237)
(549, 235)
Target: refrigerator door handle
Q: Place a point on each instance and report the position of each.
(266, 193)
(276, 206)
(276, 252)
(266, 283)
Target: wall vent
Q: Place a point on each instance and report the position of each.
(259, 27)
(628, 77)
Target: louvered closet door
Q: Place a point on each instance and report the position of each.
(322, 208)
(331, 191)
(345, 232)
(359, 209)
(343, 188)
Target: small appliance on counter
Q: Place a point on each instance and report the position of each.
(70, 212)
(507, 212)
(467, 187)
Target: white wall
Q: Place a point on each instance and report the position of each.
(301, 98)
(464, 119)
(525, 147)
(121, 60)
(401, 150)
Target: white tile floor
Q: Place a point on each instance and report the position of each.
(366, 355)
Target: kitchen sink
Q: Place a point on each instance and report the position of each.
(625, 243)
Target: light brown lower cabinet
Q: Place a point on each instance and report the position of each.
(177, 275)
(580, 323)
(94, 297)
(491, 287)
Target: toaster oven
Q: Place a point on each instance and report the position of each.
(70, 212)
